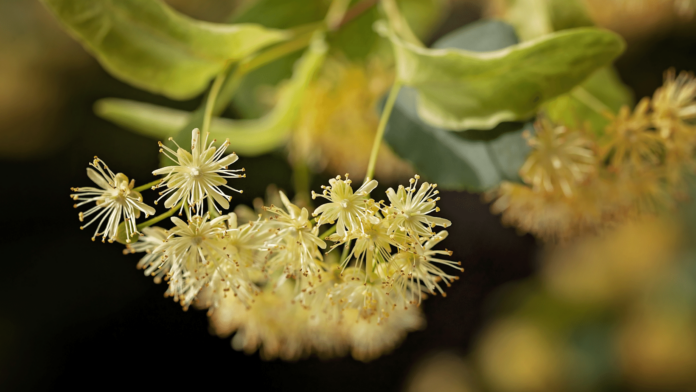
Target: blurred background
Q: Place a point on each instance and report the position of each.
(78, 314)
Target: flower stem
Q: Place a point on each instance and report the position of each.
(328, 232)
(386, 112)
(590, 101)
(301, 177)
(337, 10)
(211, 208)
(346, 251)
(159, 218)
(212, 96)
(147, 186)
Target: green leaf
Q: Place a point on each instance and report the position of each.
(460, 89)
(473, 160)
(247, 137)
(149, 45)
(587, 103)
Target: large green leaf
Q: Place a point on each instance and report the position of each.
(247, 137)
(588, 103)
(473, 160)
(149, 45)
(459, 89)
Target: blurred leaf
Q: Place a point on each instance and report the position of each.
(280, 14)
(422, 16)
(535, 18)
(157, 122)
(450, 159)
(568, 14)
(356, 39)
(149, 45)
(585, 104)
(481, 36)
(283, 14)
(460, 89)
(247, 137)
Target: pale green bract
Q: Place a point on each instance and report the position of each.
(149, 45)
(248, 137)
(459, 89)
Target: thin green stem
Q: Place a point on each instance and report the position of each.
(337, 10)
(398, 23)
(251, 63)
(346, 251)
(146, 186)
(187, 209)
(386, 112)
(301, 177)
(211, 208)
(159, 218)
(590, 101)
(212, 96)
(328, 232)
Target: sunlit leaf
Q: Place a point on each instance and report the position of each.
(149, 45)
(247, 137)
(459, 89)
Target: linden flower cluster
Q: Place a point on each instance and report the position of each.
(577, 182)
(264, 276)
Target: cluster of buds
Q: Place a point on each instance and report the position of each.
(266, 278)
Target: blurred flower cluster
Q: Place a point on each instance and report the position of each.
(609, 313)
(579, 182)
(339, 117)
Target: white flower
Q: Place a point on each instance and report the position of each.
(198, 174)
(197, 257)
(418, 271)
(372, 244)
(373, 298)
(114, 197)
(294, 245)
(152, 262)
(409, 209)
(345, 207)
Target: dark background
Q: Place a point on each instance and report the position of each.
(78, 314)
